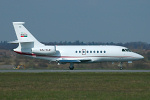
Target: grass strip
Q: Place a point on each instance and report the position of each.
(74, 86)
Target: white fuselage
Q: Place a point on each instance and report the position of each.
(92, 53)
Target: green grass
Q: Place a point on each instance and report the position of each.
(74, 86)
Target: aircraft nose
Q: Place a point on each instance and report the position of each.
(138, 56)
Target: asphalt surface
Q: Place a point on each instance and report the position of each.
(39, 71)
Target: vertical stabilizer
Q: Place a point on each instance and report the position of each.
(25, 39)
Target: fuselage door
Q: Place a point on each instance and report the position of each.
(83, 51)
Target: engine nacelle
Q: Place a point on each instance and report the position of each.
(46, 50)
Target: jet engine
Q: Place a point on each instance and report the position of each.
(46, 50)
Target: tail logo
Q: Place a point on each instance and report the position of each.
(24, 35)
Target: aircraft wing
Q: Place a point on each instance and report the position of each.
(74, 61)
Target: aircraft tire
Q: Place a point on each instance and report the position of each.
(71, 67)
(121, 68)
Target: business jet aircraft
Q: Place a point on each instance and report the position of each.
(30, 46)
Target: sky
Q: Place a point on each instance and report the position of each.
(84, 20)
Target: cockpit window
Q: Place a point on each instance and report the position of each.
(123, 50)
(126, 50)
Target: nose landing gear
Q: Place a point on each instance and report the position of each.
(121, 65)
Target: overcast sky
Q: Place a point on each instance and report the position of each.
(83, 20)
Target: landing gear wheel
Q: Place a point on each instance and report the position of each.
(71, 67)
(121, 68)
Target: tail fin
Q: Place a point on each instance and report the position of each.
(25, 39)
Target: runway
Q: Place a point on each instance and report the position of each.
(71, 71)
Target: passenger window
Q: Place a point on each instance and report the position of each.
(104, 51)
(90, 51)
(79, 51)
(76, 51)
(93, 51)
(87, 51)
(100, 51)
(97, 51)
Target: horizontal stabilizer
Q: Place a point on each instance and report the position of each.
(19, 41)
(18, 23)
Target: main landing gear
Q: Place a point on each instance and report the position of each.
(121, 65)
(71, 67)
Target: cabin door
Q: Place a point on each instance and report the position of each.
(83, 51)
